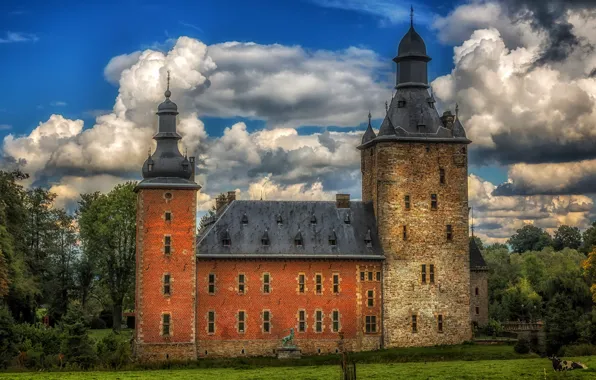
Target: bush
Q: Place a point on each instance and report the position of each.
(77, 347)
(493, 328)
(8, 349)
(578, 350)
(113, 351)
(522, 346)
(97, 324)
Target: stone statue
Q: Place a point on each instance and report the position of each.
(288, 341)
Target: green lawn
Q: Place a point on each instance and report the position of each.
(99, 334)
(473, 370)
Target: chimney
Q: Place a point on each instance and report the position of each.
(342, 200)
(192, 166)
(220, 202)
(231, 196)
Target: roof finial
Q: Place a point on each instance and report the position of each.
(456, 110)
(369, 117)
(411, 16)
(386, 107)
(168, 93)
(472, 225)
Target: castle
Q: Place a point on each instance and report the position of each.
(394, 269)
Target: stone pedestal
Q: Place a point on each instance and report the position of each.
(288, 353)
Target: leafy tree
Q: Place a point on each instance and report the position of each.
(529, 238)
(560, 323)
(589, 268)
(496, 246)
(4, 280)
(522, 302)
(108, 229)
(589, 238)
(7, 338)
(567, 237)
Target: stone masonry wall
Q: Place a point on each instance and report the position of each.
(413, 169)
(479, 280)
(152, 263)
(284, 301)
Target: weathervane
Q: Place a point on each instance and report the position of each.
(456, 110)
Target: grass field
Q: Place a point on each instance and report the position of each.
(473, 370)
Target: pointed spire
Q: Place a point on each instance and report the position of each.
(168, 93)
(369, 134)
(369, 117)
(411, 16)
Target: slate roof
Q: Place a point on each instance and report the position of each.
(349, 227)
(411, 44)
(476, 260)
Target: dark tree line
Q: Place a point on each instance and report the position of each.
(50, 259)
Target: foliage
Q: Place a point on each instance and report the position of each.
(529, 238)
(522, 346)
(578, 350)
(589, 238)
(560, 323)
(478, 241)
(113, 351)
(8, 347)
(77, 347)
(567, 237)
(107, 229)
(97, 324)
(589, 268)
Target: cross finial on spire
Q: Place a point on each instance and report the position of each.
(456, 110)
(411, 16)
(168, 93)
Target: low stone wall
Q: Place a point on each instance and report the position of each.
(165, 351)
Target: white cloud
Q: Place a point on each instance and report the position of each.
(58, 104)
(14, 37)
(118, 64)
(5, 127)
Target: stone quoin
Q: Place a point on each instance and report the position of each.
(394, 269)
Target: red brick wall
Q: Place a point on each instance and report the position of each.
(153, 263)
(284, 301)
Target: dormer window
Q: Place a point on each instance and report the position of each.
(333, 239)
(347, 219)
(401, 103)
(313, 219)
(244, 219)
(298, 239)
(265, 239)
(150, 166)
(279, 220)
(368, 239)
(226, 241)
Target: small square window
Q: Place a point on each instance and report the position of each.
(378, 276)
(431, 273)
(241, 283)
(318, 321)
(423, 274)
(165, 325)
(166, 284)
(301, 321)
(241, 321)
(211, 322)
(319, 284)
(371, 298)
(168, 216)
(449, 232)
(371, 324)
(167, 249)
(266, 283)
(335, 319)
(440, 323)
(433, 201)
(442, 176)
(414, 323)
(335, 283)
(211, 283)
(301, 283)
(362, 276)
(405, 233)
(407, 202)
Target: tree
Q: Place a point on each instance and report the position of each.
(567, 237)
(529, 238)
(589, 238)
(560, 323)
(589, 268)
(108, 229)
(77, 347)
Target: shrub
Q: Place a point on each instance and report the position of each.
(113, 351)
(578, 350)
(77, 347)
(48, 337)
(493, 328)
(522, 346)
(97, 324)
(8, 349)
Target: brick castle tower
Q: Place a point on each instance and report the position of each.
(165, 260)
(415, 173)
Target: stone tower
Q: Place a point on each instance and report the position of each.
(415, 174)
(165, 293)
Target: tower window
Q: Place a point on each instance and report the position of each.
(371, 324)
(361, 276)
(211, 322)
(333, 239)
(301, 283)
(168, 216)
(407, 202)
(431, 273)
(298, 239)
(318, 321)
(301, 321)
(226, 241)
(241, 283)
(265, 239)
(167, 244)
(449, 231)
(336, 283)
(433, 201)
(423, 274)
(378, 276)
(165, 324)
(266, 321)
(414, 323)
(211, 283)
(167, 196)
(370, 276)
(313, 220)
(371, 298)
(477, 310)
(368, 239)
(266, 283)
(442, 175)
(279, 220)
(319, 283)
(335, 320)
(244, 219)
(476, 291)
(166, 284)
(405, 233)
(440, 323)
(401, 103)
(241, 321)
(347, 219)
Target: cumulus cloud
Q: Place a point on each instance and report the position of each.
(118, 64)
